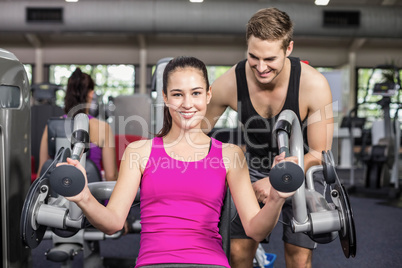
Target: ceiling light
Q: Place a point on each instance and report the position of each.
(321, 2)
(72, 1)
(196, 1)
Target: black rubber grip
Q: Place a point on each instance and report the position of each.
(80, 136)
(67, 180)
(286, 176)
(284, 125)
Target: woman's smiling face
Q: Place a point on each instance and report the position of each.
(187, 97)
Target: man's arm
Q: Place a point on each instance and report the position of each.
(315, 105)
(223, 95)
(316, 99)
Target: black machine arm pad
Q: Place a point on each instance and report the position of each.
(284, 125)
(286, 176)
(67, 180)
(328, 167)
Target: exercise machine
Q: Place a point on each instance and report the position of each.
(382, 157)
(45, 205)
(313, 215)
(15, 162)
(381, 160)
(43, 107)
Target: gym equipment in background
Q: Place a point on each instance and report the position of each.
(381, 161)
(157, 86)
(43, 107)
(15, 151)
(45, 205)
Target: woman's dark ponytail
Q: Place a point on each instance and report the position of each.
(78, 86)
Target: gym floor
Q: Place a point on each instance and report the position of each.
(378, 231)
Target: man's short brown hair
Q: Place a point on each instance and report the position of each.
(270, 24)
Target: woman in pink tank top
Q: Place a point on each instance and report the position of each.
(183, 175)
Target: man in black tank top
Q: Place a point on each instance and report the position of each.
(259, 88)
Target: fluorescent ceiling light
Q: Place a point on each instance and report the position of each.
(72, 1)
(196, 1)
(321, 2)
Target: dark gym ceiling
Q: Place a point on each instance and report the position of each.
(53, 38)
(331, 3)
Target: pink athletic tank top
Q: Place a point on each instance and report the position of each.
(181, 204)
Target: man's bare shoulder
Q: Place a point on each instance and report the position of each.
(315, 92)
(311, 79)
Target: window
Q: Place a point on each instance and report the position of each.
(324, 69)
(229, 117)
(366, 79)
(28, 70)
(110, 80)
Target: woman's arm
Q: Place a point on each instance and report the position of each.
(257, 223)
(111, 218)
(43, 151)
(109, 154)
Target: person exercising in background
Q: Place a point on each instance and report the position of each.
(259, 88)
(79, 94)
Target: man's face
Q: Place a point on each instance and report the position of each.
(266, 58)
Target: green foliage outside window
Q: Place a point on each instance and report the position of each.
(371, 110)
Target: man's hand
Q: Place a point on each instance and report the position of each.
(262, 188)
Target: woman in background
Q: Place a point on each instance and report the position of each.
(79, 94)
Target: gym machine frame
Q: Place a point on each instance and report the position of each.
(45, 206)
(313, 215)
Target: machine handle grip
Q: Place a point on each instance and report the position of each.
(282, 138)
(67, 180)
(80, 136)
(286, 177)
(284, 149)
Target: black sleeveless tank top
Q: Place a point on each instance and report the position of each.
(260, 143)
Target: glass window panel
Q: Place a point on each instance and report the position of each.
(110, 80)
(229, 117)
(366, 79)
(324, 69)
(28, 69)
